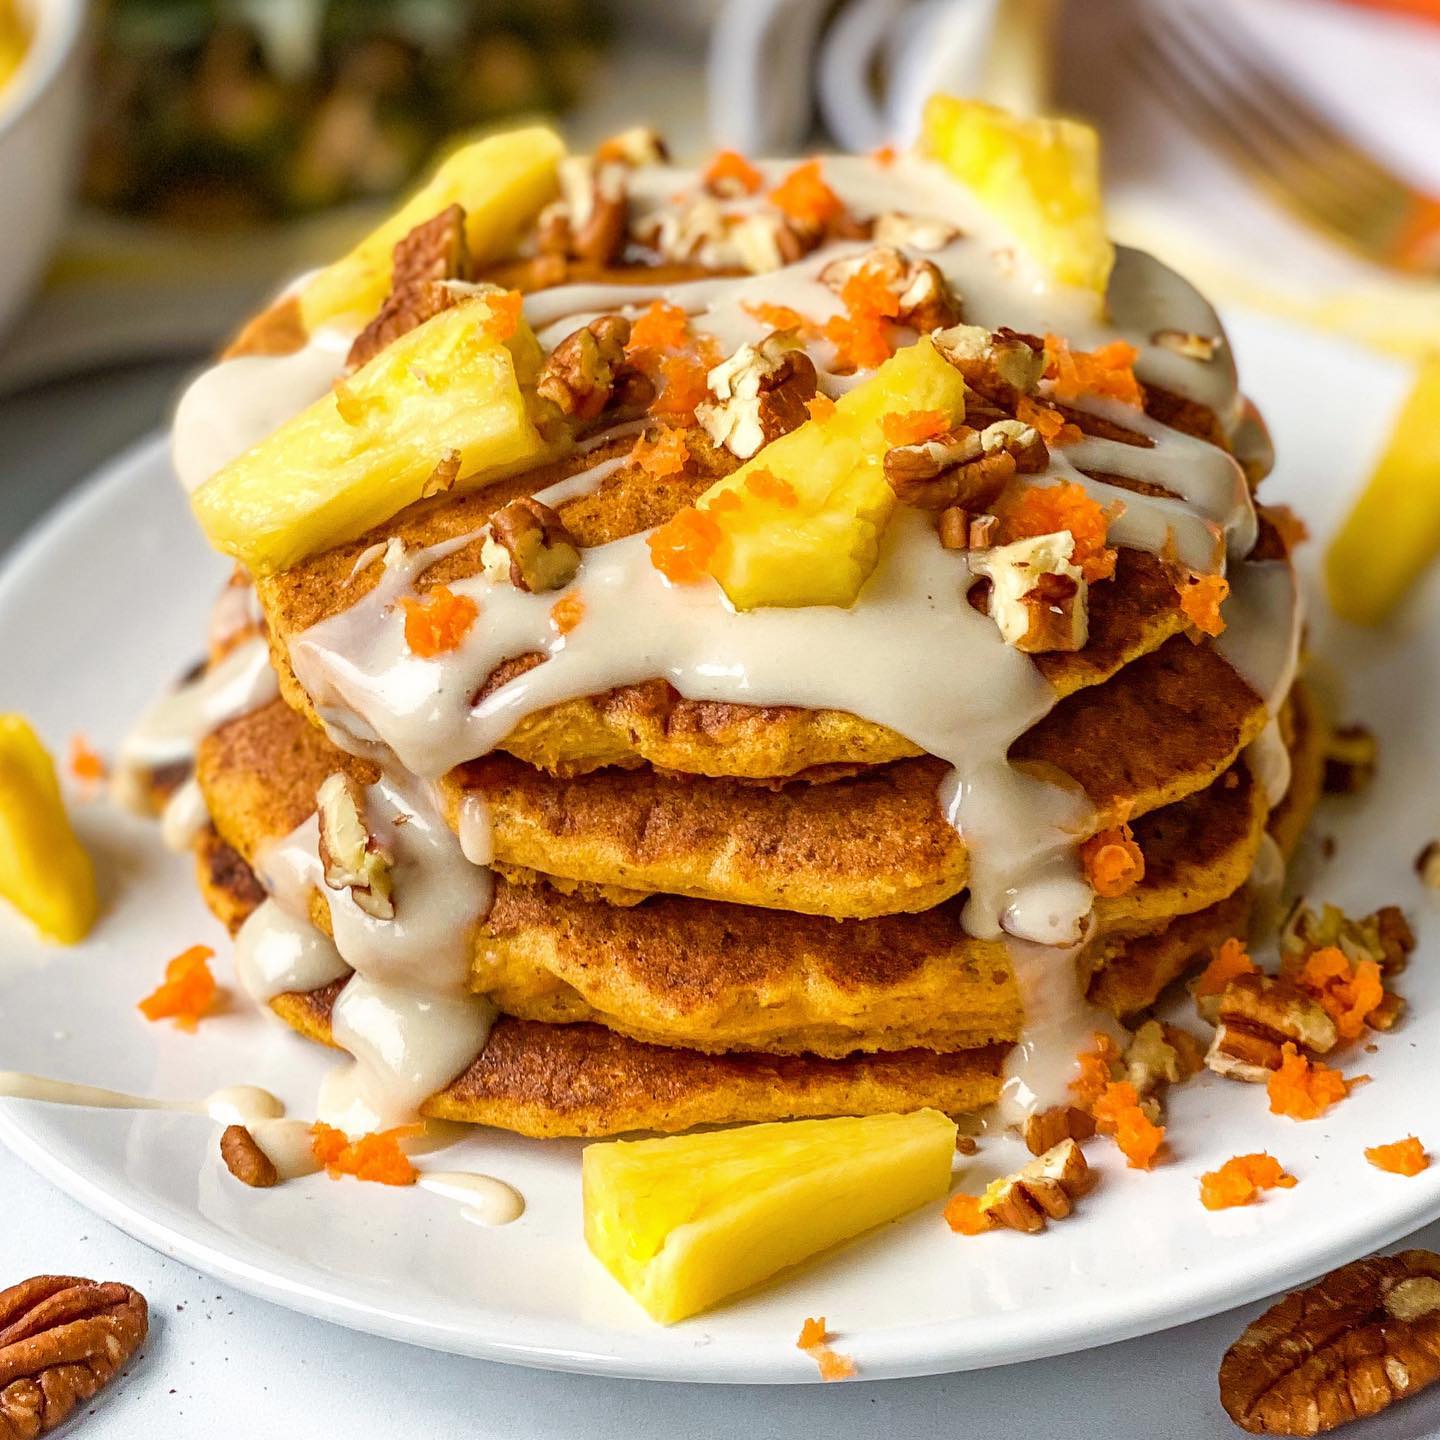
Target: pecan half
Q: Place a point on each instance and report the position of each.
(1350, 758)
(245, 1160)
(1349, 1346)
(591, 219)
(1046, 1188)
(61, 1339)
(352, 858)
(969, 468)
(1427, 865)
(1047, 1128)
(1001, 365)
(586, 373)
(759, 394)
(1038, 599)
(529, 543)
(1257, 1016)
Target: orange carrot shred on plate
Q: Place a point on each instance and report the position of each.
(779, 317)
(1228, 963)
(666, 454)
(1107, 371)
(1403, 1157)
(566, 613)
(1304, 1089)
(729, 172)
(504, 317)
(439, 622)
(187, 992)
(375, 1157)
(765, 486)
(660, 326)
(681, 549)
(833, 1366)
(85, 765)
(910, 427)
(1113, 862)
(821, 407)
(804, 197)
(1117, 1113)
(883, 156)
(812, 1333)
(964, 1216)
(1201, 597)
(1348, 991)
(1240, 1180)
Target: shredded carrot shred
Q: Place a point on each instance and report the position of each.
(85, 765)
(1228, 963)
(910, 427)
(1348, 992)
(1117, 1113)
(805, 198)
(765, 486)
(884, 156)
(1046, 509)
(1201, 597)
(1053, 428)
(1240, 1180)
(1094, 1070)
(861, 340)
(666, 454)
(504, 317)
(1404, 1157)
(726, 502)
(729, 170)
(812, 1333)
(779, 317)
(439, 622)
(1304, 1089)
(821, 407)
(187, 992)
(566, 613)
(965, 1217)
(1107, 371)
(660, 326)
(681, 549)
(1292, 529)
(833, 1366)
(376, 1157)
(682, 386)
(1113, 862)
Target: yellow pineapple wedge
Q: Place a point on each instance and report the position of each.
(1393, 533)
(820, 549)
(44, 870)
(503, 181)
(1041, 178)
(365, 451)
(685, 1221)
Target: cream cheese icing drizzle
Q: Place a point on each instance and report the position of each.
(910, 654)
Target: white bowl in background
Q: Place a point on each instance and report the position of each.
(40, 113)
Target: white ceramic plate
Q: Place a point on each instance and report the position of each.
(105, 604)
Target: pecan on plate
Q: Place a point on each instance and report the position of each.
(61, 1339)
(1350, 1345)
(1257, 1016)
(1046, 1188)
(1047, 1128)
(922, 293)
(1351, 754)
(245, 1160)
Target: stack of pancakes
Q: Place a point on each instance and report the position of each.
(711, 912)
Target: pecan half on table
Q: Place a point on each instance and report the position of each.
(1348, 1346)
(61, 1339)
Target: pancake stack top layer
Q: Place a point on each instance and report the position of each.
(669, 740)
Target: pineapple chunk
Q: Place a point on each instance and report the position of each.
(685, 1221)
(1393, 533)
(365, 451)
(1041, 178)
(820, 549)
(44, 870)
(502, 181)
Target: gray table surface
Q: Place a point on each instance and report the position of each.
(220, 1363)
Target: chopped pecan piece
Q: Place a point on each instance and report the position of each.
(586, 372)
(1039, 600)
(1046, 1188)
(1047, 1128)
(1349, 1346)
(61, 1339)
(1384, 937)
(969, 468)
(1257, 1016)
(639, 145)
(984, 530)
(1191, 346)
(352, 857)
(1350, 757)
(760, 393)
(895, 229)
(923, 295)
(1160, 1054)
(245, 1160)
(590, 220)
(955, 522)
(528, 543)
(1002, 365)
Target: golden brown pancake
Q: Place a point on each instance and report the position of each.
(1129, 616)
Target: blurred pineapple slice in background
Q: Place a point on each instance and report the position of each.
(14, 40)
(818, 544)
(684, 1221)
(366, 450)
(44, 870)
(502, 182)
(1041, 178)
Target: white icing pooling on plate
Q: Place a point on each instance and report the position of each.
(232, 1105)
(406, 1016)
(483, 1199)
